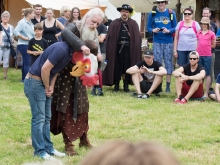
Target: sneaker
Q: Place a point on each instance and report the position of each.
(182, 101)
(57, 153)
(145, 96)
(177, 100)
(139, 96)
(47, 157)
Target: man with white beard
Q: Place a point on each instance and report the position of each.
(70, 98)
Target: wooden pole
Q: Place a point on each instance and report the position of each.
(178, 10)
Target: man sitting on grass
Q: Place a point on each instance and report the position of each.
(189, 80)
(147, 75)
(215, 94)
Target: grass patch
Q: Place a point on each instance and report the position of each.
(191, 131)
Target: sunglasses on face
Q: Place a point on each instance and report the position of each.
(187, 13)
(193, 59)
(160, 2)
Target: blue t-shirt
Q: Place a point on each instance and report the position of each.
(162, 20)
(59, 54)
(218, 33)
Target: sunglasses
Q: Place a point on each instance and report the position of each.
(187, 13)
(160, 2)
(193, 59)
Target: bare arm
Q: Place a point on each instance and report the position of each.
(175, 44)
(178, 72)
(60, 25)
(217, 86)
(198, 76)
(132, 70)
(162, 71)
(213, 43)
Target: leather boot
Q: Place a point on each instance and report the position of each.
(126, 86)
(116, 88)
(69, 148)
(84, 141)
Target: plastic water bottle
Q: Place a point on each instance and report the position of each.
(104, 65)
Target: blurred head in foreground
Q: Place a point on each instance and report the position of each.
(127, 153)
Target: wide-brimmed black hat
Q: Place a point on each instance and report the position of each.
(125, 7)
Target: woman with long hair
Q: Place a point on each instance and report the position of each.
(25, 31)
(50, 26)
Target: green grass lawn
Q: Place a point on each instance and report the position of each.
(191, 131)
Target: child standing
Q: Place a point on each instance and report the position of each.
(206, 41)
(37, 45)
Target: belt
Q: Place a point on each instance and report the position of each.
(33, 76)
(123, 42)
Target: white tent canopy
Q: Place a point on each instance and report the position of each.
(57, 4)
(145, 6)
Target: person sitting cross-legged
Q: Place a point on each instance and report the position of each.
(147, 75)
(215, 94)
(189, 79)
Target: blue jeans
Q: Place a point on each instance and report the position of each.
(41, 114)
(26, 60)
(183, 57)
(206, 62)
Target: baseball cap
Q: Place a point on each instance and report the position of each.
(148, 53)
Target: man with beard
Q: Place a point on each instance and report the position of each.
(189, 80)
(70, 96)
(123, 49)
(37, 17)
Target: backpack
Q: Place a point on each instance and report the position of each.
(193, 26)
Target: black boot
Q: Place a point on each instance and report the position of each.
(126, 86)
(116, 88)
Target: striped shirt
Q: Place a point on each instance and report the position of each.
(5, 40)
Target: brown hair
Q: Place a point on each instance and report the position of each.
(71, 15)
(189, 9)
(37, 5)
(127, 153)
(206, 8)
(38, 26)
(92, 45)
(28, 11)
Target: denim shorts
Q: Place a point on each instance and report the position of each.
(183, 57)
(163, 51)
(206, 62)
